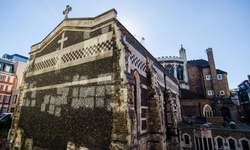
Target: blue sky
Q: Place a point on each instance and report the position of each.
(223, 25)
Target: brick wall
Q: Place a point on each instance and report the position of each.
(195, 79)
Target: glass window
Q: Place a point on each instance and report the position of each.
(7, 68)
(210, 92)
(170, 69)
(219, 76)
(245, 145)
(5, 108)
(222, 93)
(186, 138)
(144, 125)
(210, 144)
(11, 79)
(197, 143)
(208, 77)
(6, 78)
(220, 143)
(3, 87)
(232, 144)
(14, 99)
(9, 88)
(205, 143)
(1, 98)
(7, 98)
(179, 73)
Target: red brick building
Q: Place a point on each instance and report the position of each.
(7, 83)
(211, 83)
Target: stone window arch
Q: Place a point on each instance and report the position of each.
(140, 105)
(186, 140)
(179, 72)
(244, 143)
(207, 111)
(170, 69)
(219, 142)
(137, 99)
(231, 142)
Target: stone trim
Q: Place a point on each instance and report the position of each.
(100, 79)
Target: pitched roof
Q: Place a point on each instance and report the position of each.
(204, 64)
(218, 71)
(199, 63)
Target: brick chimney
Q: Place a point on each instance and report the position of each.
(213, 71)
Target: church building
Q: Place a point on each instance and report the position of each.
(90, 84)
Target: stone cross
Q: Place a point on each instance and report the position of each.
(62, 40)
(66, 11)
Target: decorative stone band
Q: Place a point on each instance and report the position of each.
(81, 82)
(74, 55)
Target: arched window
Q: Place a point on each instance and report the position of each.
(207, 111)
(137, 100)
(179, 73)
(245, 145)
(231, 144)
(220, 143)
(135, 96)
(186, 139)
(170, 69)
(139, 105)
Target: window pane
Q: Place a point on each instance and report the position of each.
(7, 98)
(7, 68)
(208, 77)
(210, 144)
(219, 76)
(245, 145)
(11, 79)
(6, 78)
(186, 138)
(143, 113)
(220, 143)
(14, 99)
(197, 143)
(205, 143)
(144, 125)
(231, 144)
(200, 139)
(9, 88)
(1, 98)
(171, 71)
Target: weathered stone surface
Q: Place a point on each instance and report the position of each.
(91, 85)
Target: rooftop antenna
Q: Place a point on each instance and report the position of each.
(142, 41)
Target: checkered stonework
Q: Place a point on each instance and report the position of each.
(73, 55)
(88, 51)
